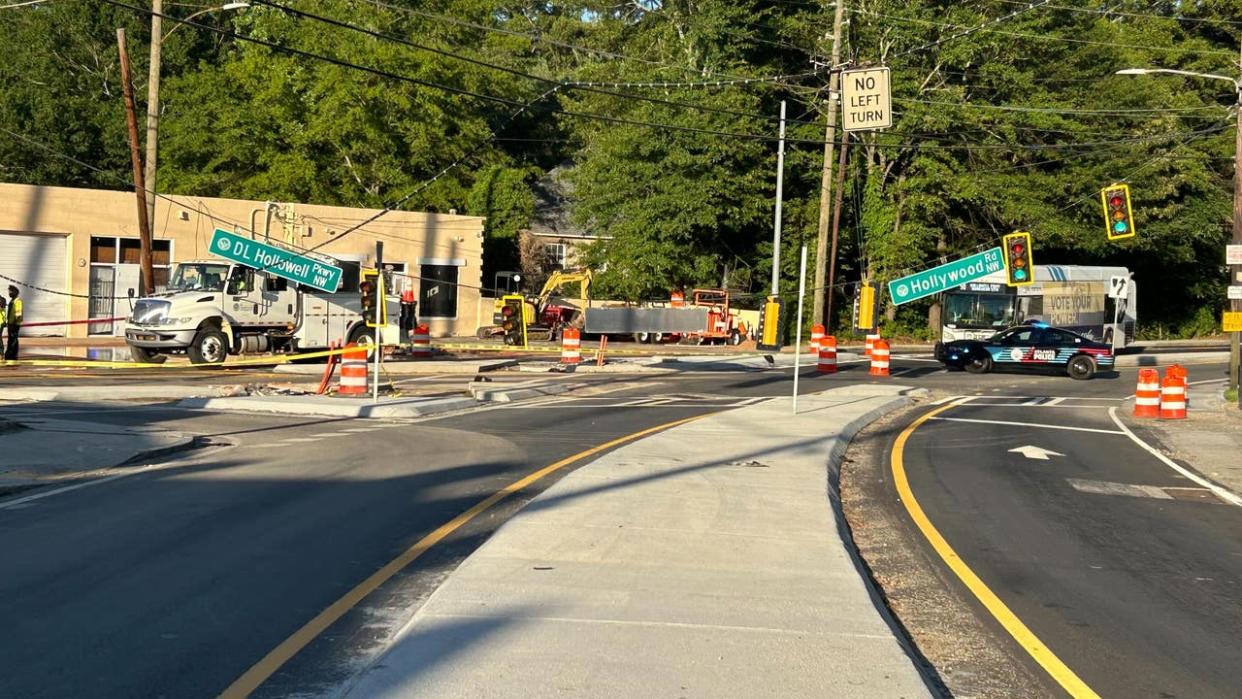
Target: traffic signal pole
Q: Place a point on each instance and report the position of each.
(780, 194)
(825, 182)
(1235, 272)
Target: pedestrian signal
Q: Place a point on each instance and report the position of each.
(1118, 217)
(513, 320)
(1019, 269)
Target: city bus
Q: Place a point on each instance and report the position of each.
(1099, 303)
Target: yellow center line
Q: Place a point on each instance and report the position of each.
(1016, 628)
(291, 646)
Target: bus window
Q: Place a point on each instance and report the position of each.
(992, 311)
(995, 311)
(959, 309)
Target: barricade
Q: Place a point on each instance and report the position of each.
(1147, 394)
(879, 358)
(1178, 371)
(354, 372)
(1172, 397)
(871, 340)
(421, 349)
(817, 335)
(571, 346)
(827, 355)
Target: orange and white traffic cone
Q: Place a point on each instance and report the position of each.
(571, 346)
(354, 371)
(421, 348)
(1172, 398)
(879, 358)
(827, 355)
(871, 339)
(1147, 394)
(817, 336)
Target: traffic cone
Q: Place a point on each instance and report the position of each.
(354, 371)
(827, 355)
(571, 346)
(871, 339)
(421, 348)
(1147, 394)
(817, 336)
(879, 358)
(1172, 398)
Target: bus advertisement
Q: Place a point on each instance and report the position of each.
(1096, 302)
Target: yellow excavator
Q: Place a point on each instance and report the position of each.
(549, 312)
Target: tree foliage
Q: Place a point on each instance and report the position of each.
(1006, 117)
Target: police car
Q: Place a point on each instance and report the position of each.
(1031, 346)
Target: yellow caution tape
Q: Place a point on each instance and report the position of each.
(97, 364)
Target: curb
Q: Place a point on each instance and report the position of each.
(113, 393)
(398, 409)
(401, 368)
(183, 444)
(509, 395)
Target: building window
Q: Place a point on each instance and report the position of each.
(438, 292)
(110, 250)
(554, 253)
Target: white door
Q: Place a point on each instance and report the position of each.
(127, 277)
(38, 261)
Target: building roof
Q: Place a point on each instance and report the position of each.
(553, 216)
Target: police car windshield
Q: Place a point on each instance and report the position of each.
(198, 277)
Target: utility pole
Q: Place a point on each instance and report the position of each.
(780, 193)
(153, 103)
(825, 185)
(1235, 272)
(131, 118)
(836, 227)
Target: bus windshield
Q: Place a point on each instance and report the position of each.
(198, 276)
(966, 310)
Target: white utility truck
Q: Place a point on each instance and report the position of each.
(214, 308)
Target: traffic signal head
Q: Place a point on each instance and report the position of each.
(868, 318)
(512, 320)
(1019, 269)
(1118, 217)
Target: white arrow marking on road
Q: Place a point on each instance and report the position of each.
(1031, 452)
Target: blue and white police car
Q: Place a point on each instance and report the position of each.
(1030, 346)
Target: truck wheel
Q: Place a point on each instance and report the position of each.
(484, 333)
(735, 337)
(362, 335)
(146, 356)
(209, 346)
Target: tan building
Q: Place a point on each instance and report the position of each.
(74, 251)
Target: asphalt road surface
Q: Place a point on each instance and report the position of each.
(1129, 572)
(177, 580)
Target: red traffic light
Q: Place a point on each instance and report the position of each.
(1115, 200)
(1017, 249)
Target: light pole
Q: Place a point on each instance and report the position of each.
(153, 93)
(1235, 272)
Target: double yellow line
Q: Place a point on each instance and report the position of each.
(1036, 648)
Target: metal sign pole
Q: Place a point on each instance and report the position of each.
(798, 331)
(780, 193)
(379, 314)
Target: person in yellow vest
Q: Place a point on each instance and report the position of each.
(13, 322)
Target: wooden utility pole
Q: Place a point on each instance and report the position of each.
(836, 227)
(153, 103)
(1235, 272)
(131, 117)
(825, 184)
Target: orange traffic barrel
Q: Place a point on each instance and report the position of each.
(1172, 398)
(1147, 394)
(677, 299)
(879, 358)
(571, 346)
(817, 334)
(354, 371)
(421, 349)
(827, 355)
(871, 339)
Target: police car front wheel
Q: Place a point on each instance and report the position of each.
(979, 364)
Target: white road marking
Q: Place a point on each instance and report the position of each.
(66, 489)
(1127, 489)
(1220, 492)
(1054, 402)
(1037, 453)
(948, 399)
(362, 429)
(300, 440)
(1026, 424)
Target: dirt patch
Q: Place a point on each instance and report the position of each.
(972, 654)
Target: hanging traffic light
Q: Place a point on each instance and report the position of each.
(513, 320)
(866, 315)
(771, 325)
(1118, 217)
(1019, 269)
(373, 298)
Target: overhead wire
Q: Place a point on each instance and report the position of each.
(1118, 13)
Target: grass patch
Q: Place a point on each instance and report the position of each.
(1231, 395)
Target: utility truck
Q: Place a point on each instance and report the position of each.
(215, 308)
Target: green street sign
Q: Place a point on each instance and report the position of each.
(277, 261)
(946, 276)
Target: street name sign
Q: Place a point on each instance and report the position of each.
(1233, 254)
(946, 276)
(866, 100)
(1234, 293)
(1231, 322)
(277, 261)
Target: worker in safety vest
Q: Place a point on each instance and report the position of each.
(13, 322)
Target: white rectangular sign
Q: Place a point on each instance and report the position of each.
(866, 101)
(1234, 293)
(1233, 254)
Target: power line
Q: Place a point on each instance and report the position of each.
(972, 30)
(1058, 110)
(1105, 12)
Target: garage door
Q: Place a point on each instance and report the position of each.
(37, 260)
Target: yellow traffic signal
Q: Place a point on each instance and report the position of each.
(513, 319)
(1118, 217)
(867, 318)
(1019, 269)
(770, 328)
(374, 298)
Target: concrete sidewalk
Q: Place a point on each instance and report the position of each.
(38, 451)
(704, 561)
